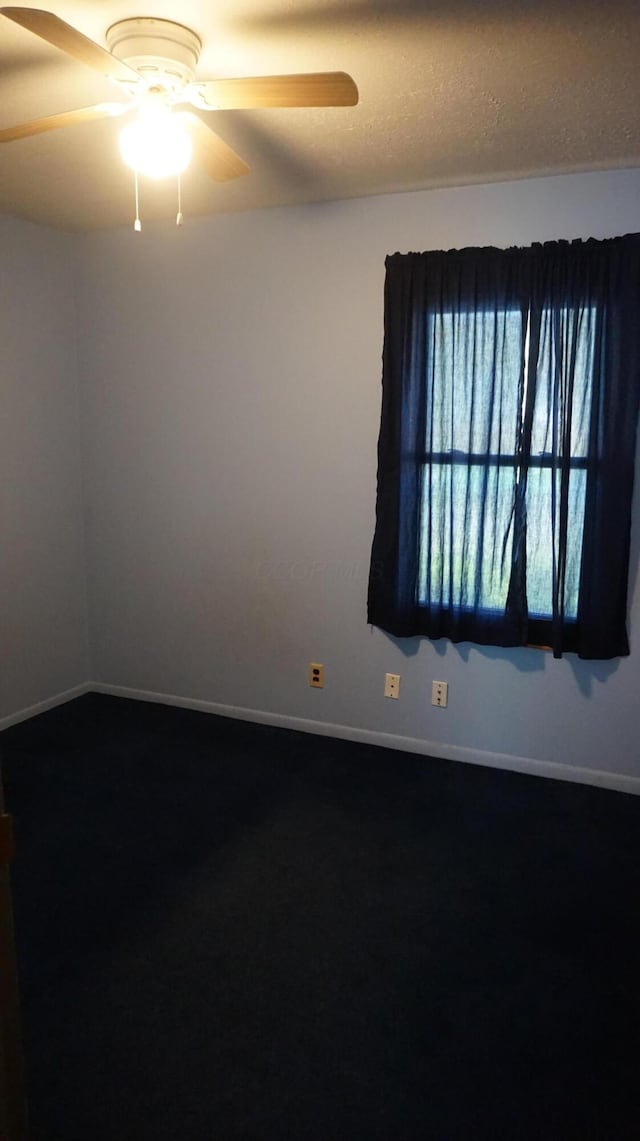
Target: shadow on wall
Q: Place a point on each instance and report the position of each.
(525, 659)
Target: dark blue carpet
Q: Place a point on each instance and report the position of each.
(228, 931)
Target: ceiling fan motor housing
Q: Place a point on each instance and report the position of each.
(165, 54)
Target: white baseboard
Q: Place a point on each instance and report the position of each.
(619, 782)
(43, 706)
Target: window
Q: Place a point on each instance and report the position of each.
(459, 479)
(510, 396)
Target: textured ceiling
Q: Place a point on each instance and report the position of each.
(451, 92)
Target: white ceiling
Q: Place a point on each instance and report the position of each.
(451, 92)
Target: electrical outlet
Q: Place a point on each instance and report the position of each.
(316, 675)
(392, 685)
(440, 693)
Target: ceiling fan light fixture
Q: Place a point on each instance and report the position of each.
(154, 62)
(156, 144)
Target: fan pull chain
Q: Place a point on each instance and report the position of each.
(179, 218)
(137, 225)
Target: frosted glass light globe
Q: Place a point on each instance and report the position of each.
(156, 145)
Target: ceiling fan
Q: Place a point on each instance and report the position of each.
(153, 62)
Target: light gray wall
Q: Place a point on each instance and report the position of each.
(231, 374)
(43, 623)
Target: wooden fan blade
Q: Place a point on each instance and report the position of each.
(55, 31)
(218, 159)
(65, 119)
(318, 89)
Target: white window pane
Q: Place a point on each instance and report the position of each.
(473, 381)
(541, 525)
(575, 334)
(466, 527)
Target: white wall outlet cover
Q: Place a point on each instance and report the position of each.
(392, 685)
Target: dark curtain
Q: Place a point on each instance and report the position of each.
(511, 382)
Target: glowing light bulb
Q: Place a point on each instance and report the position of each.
(156, 144)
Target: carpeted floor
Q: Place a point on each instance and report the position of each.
(228, 931)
